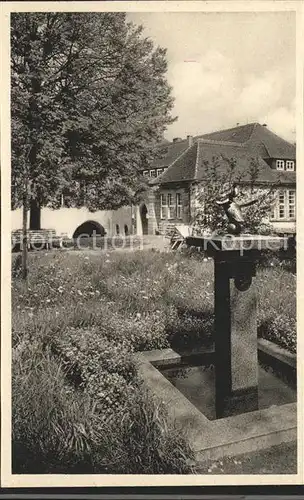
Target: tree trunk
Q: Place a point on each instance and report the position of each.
(35, 215)
(24, 236)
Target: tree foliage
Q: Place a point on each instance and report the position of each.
(210, 217)
(89, 102)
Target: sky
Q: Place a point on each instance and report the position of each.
(227, 68)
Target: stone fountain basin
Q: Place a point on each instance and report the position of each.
(197, 384)
(185, 383)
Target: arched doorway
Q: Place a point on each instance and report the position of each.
(86, 230)
(144, 218)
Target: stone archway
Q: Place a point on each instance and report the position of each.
(144, 218)
(86, 230)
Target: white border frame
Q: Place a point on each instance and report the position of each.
(9, 480)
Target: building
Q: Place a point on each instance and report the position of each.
(177, 175)
(73, 222)
(174, 179)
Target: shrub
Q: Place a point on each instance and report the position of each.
(60, 429)
(286, 259)
(103, 369)
(190, 332)
(146, 331)
(53, 426)
(281, 330)
(147, 444)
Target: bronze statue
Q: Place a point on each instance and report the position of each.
(233, 210)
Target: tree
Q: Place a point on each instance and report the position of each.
(220, 175)
(89, 101)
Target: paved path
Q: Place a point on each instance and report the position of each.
(281, 459)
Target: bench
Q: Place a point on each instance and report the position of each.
(177, 235)
(37, 239)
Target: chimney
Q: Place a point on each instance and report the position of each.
(177, 139)
(190, 140)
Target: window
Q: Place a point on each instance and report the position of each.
(273, 210)
(285, 207)
(153, 173)
(163, 206)
(159, 171)
(291, 204)
(179, 207)
(171, 206)
(290, 165)
(146, 173)
(281, 205)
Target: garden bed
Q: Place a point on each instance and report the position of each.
(76, 326)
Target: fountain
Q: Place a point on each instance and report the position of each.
(243, 406)
(235, 307)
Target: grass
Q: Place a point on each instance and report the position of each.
(162, 298)
(77, 403)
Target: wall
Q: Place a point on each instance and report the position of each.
(164, 224)
(289, 227)
(190, 205)
(278, 225)
(66, 220)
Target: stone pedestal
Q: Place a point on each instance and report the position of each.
(236, 362)
(235, 304)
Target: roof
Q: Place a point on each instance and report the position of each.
(192, 164)
(182, 169)
(240, 143)
(168, 153)
(258, 139)
(275, 146)
(239, 134)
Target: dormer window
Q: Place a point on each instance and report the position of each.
(280, 164)
(159, 171)
(146, 173)
(153, 173)
(290, 165)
